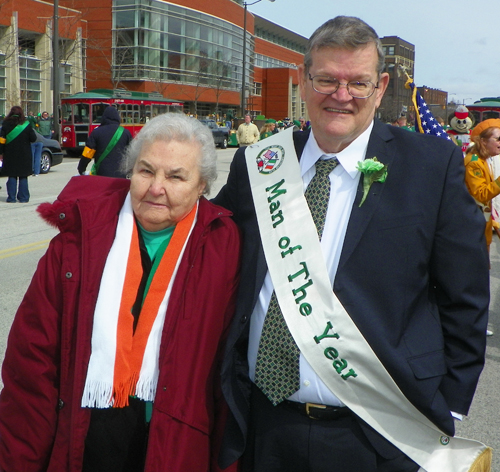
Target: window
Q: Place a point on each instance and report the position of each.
(157, 39)
(29, 72)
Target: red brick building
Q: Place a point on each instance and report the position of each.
(192, 51)
(26, 53)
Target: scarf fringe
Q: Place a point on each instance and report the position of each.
(97, 394)
(483, 461)
(125, 390)
(146, 389)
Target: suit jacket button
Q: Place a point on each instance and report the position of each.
(244, 319)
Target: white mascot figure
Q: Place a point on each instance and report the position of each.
(461, 122)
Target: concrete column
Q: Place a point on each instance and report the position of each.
(76, 60)
(9, 45)
(44, 52)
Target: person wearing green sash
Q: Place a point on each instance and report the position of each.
(401, 243)
(106, 145)
(16, 137)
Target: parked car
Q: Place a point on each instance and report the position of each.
(220, 133)
(52, 154)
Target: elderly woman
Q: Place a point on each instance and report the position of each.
(478, 169)
(113, 358)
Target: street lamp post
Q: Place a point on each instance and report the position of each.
(243, 75)
(55, 70)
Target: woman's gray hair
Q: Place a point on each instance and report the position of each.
(344, 32)
(181, 128)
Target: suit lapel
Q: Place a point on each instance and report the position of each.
(361, 216)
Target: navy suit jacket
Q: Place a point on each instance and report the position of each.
(413, 276)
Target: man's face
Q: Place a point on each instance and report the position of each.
(247, 119)
(338, 119)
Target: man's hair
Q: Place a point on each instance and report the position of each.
(176, 127)
(344, 32)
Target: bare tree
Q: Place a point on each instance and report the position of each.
(219, 81)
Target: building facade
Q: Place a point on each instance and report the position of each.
(399, 61)
(437, 101)
(192, 51)
(26, 58)
(186, 50)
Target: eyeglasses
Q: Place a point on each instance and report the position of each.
(356, 89)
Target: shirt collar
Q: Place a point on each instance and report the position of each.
(348, 158)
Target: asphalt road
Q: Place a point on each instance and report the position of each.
(24, 238)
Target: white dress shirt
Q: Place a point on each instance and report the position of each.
(344, 183)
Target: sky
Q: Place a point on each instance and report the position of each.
(456, 43)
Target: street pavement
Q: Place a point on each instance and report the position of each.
(24, 237)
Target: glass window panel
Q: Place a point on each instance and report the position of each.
(205, 33)
(192, 30)
(174, 43)
(155, 22)
(143, 19)
(143, 56)
(174, 26)
(154, 39)
(192, 63)
(125, 38)
(67, 112)
(192, 46)
(125, 19)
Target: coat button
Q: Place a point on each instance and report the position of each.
(69, 275)
(60, 404)
(62, 216)
(244, 319)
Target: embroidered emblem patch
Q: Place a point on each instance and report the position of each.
(269, 159)
(444, 440)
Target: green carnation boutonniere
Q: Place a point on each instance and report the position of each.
(373, 171)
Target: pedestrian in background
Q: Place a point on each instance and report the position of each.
(106, 145)
(45, 125)
(479, 176)
(36, 147)
(268, 129)
(247, 133)
(16, 137)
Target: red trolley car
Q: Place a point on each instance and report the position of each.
(82, 112)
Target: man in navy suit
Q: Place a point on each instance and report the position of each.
(409, 266)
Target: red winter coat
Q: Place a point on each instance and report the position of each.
(42, 426)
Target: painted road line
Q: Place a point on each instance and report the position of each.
(16, 251)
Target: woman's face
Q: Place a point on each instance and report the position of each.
(165, 183)
(492, 144)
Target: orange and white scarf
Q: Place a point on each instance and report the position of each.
(124, 363)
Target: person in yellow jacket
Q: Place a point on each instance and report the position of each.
(478, 169)
(247, 132)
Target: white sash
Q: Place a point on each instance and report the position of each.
(321, 327)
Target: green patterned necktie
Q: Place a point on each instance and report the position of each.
(277, 371)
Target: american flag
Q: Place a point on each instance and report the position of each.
(425, 121)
